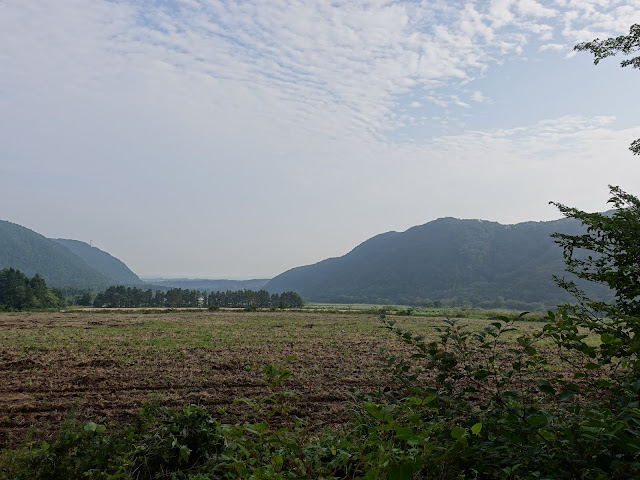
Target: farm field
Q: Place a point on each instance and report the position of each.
(107, 363)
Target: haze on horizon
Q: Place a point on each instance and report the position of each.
(223, 139)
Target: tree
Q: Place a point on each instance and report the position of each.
(86, 299)
(609, 254)
(625, 44)
(20, 293)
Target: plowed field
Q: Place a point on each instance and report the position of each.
(105, 364)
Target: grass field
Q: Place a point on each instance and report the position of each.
(107, 363)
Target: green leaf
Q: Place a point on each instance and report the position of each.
(184, 453)
(475, 429)
(530, 350)
(277, 461)
(429, 399)
(592, 366)
(371, 409)
(458, 432)
(404, 433)
(566, 395)
(607, 338)
(402, 471)
(371, 475)
(545, 387)
(536, 420)
(90, 427)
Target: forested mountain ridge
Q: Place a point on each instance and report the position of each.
(209, 285)
(60, 263)
(31, 253)
(101, 261)
(447, 260)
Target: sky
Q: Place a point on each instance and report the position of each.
(239, 139)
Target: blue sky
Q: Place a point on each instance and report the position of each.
(240, 139)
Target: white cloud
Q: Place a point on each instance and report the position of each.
(500, 12)
(456, 101)
(558, 47)
(311, 57)
(214, 120)
(535, 9)
(437, 100)
(478, 97)
(585, 20)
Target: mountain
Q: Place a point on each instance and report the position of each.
(32, 253)
(209, 285)
(103, 262)
(447, 260)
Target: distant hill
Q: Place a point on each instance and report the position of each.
(103, 262)
(448, 260)
(32, 253)
(203, 284)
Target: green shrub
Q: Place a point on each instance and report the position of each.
(500, 411)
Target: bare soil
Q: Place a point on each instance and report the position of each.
(100, 365)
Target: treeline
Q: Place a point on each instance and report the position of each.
(134, 297)
(19, 292)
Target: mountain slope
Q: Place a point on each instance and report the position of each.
(101, 261)
(456, 261)
(32, 253)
